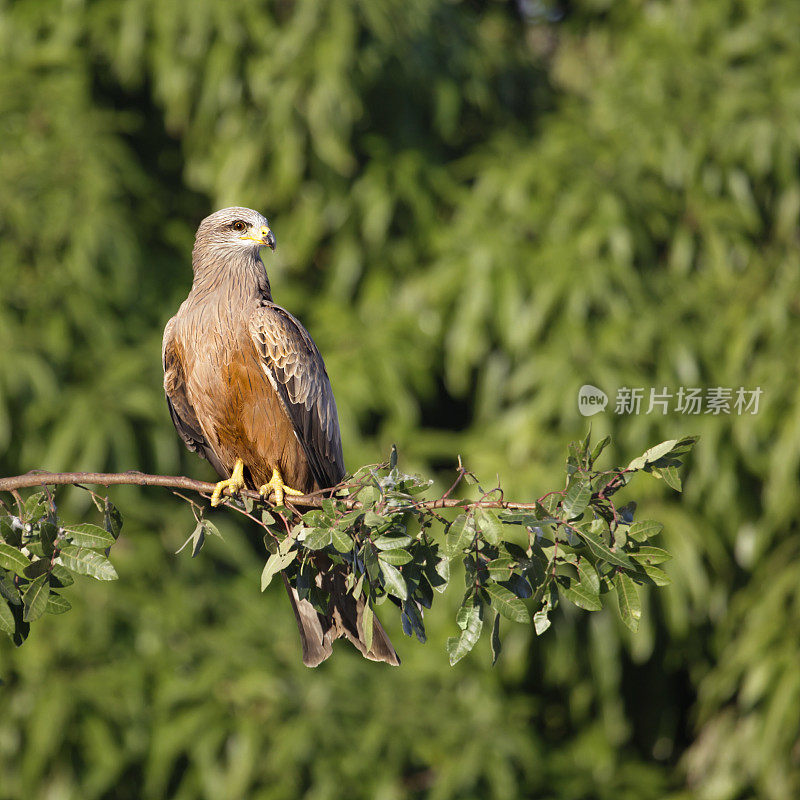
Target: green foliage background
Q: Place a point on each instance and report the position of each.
(479, 207)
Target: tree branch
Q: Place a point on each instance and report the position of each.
(133, 478)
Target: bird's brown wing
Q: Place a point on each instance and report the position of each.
(181, 410)
(297, 373)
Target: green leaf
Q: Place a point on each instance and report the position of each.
(368, 624)
(588, 576)
(209, 528)
(489, 525)
(644, 530)
(580, 594)
(651, 555)
(317, 538)
(541, 622)
(470, 620)
(368, 496)
(598, 449)
(341, 541)
(88, 535)
(373, 520)
(630, 608)
(673, 448)
(196, 537)
(500, 568)
(56, 604)
(393, 581)
(86, 562)
(397, 557)
(7, 624)
(460, 534)
(389, 542)
(12, 559)
(577, 497)
(7, 532)
(670, 476)
(275, 563)
(496, 644)
(508, 604)
(35, 507)
(48, 533)
(9, 591)
(530, 519)
(656, 575)
(590, 535)
(38, 566)
(61, 576)
(34, 600)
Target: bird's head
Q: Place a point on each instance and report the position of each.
(234, 231)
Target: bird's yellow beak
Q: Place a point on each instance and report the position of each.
(266, 238)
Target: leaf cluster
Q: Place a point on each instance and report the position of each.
(379, 529)
(40, 555)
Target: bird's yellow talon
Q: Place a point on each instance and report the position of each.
(233, 485)
(277, 487)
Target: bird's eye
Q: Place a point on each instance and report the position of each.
(239, 225)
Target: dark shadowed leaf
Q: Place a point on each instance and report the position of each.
(411, 619)
(112, 519)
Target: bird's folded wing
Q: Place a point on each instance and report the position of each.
(181, 410)
(296, 371)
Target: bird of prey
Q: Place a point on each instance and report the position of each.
(247, 389)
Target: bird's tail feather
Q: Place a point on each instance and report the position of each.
(344, 618)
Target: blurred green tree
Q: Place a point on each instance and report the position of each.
(480, 207)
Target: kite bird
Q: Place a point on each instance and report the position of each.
(247, 389)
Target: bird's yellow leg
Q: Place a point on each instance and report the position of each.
(231, 486)
(277, 487)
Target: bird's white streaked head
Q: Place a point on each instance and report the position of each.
(235, 230)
